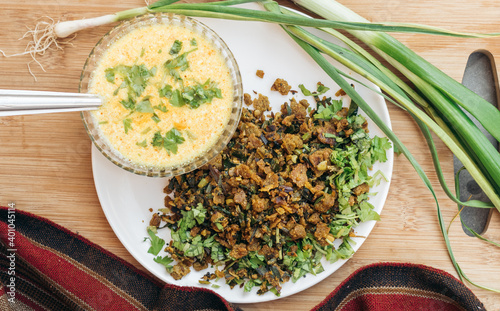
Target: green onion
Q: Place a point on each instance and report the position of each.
(438, 111)
(365, 69)
(52, 32)
(442, 91)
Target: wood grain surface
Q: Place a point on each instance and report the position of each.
(45, 165)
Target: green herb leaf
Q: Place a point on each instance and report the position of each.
(329, 111)
(135, 77)
(161, 107)
(155, 118)
(177, 100)
(199, 94)
(199, 213)
(366, 212)
(144, 106)
(304, 90)
(172, 139)
(156, 243)
(165, 261)
(219, 226)
(110, 75)
(321, 89)
(157, 140)
(176, 47)
(379, 148)
(127, 125)
(143, 143)
(248, 286)
(128, 104)
(195, 95)
(345, 250)
(176, 64)
(192, 217)
(165, 91)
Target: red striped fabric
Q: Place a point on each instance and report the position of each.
(56, 269)
(47, 267)
(402, 287)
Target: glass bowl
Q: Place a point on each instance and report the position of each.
(92, 126)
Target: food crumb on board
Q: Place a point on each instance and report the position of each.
(260, 73)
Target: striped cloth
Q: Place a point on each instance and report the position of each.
(46, 267)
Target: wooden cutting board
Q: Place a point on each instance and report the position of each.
(45, 163)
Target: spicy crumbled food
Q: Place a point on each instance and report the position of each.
(267, 210)
(281, 86)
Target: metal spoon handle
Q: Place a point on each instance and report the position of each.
(19, 102)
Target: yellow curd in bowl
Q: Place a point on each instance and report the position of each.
(168, 95)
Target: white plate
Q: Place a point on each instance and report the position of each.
(127, 198)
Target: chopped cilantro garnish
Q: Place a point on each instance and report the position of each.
(143, 144)
(199, 94)
(321, 89)
(193, 246)
(379, 148)
(170, 141)
(176, 47)
(249, 285)
(128, 104)
(195, 95)
(366, 212)
(328, 112)
(156, 243)
(176, 64)
(127, 124)
(192, 217)
(165, 91)
(193, 42)
(135, 77)
(157, 140)
(155, 118)
(161, 107)
(144, 106)
(110, 75)
(176, 99)
(165, 261)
